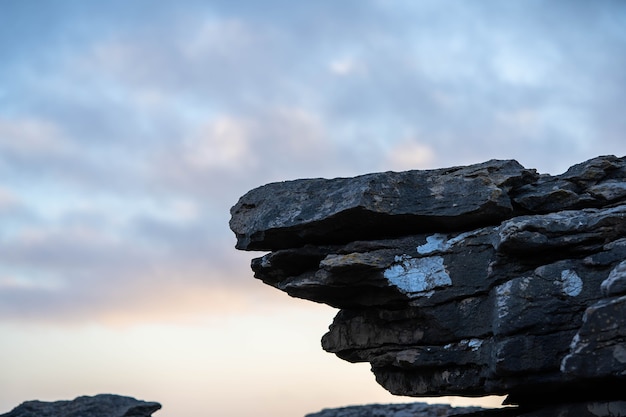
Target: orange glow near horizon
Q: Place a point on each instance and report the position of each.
(236, 365)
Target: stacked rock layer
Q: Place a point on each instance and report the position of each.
(476, 280)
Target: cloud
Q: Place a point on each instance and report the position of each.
(26, 137)
(8, 200)
(410, 155)
(82, 273)
(247, 150)
(219, 145)
(126, 138)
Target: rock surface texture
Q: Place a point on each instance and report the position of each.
(103, 405)
(476, 280)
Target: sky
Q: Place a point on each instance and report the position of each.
(129, 128)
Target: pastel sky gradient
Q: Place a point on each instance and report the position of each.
(128, 128)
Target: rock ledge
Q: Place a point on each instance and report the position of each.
(470, 281)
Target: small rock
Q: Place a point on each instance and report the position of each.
(396, 410)
(102, 405)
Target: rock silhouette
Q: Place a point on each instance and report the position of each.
(102, 405)
(396, 410)
(476, 280)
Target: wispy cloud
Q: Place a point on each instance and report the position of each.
(128, 131)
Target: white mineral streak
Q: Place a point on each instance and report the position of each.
(474, 344)
(571, 284)
(576, 345)
(439, 242)
(434, 243)
(503, 292)
(418, 276)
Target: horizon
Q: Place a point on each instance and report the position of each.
(128, 130)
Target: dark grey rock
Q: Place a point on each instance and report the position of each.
(478, 280)
(102, 405)
(396, 410)
(593, 183)
(615, 284)
(293, 213)
(575, 409)
(599, 346)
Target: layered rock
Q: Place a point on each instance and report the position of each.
(102, 405)
(477, 280)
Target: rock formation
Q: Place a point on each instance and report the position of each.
(103, 405)
(470, 281)
(571, 409)
(396, 410)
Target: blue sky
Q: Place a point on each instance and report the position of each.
(129, 128)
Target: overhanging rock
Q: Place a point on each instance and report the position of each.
(477, 280)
